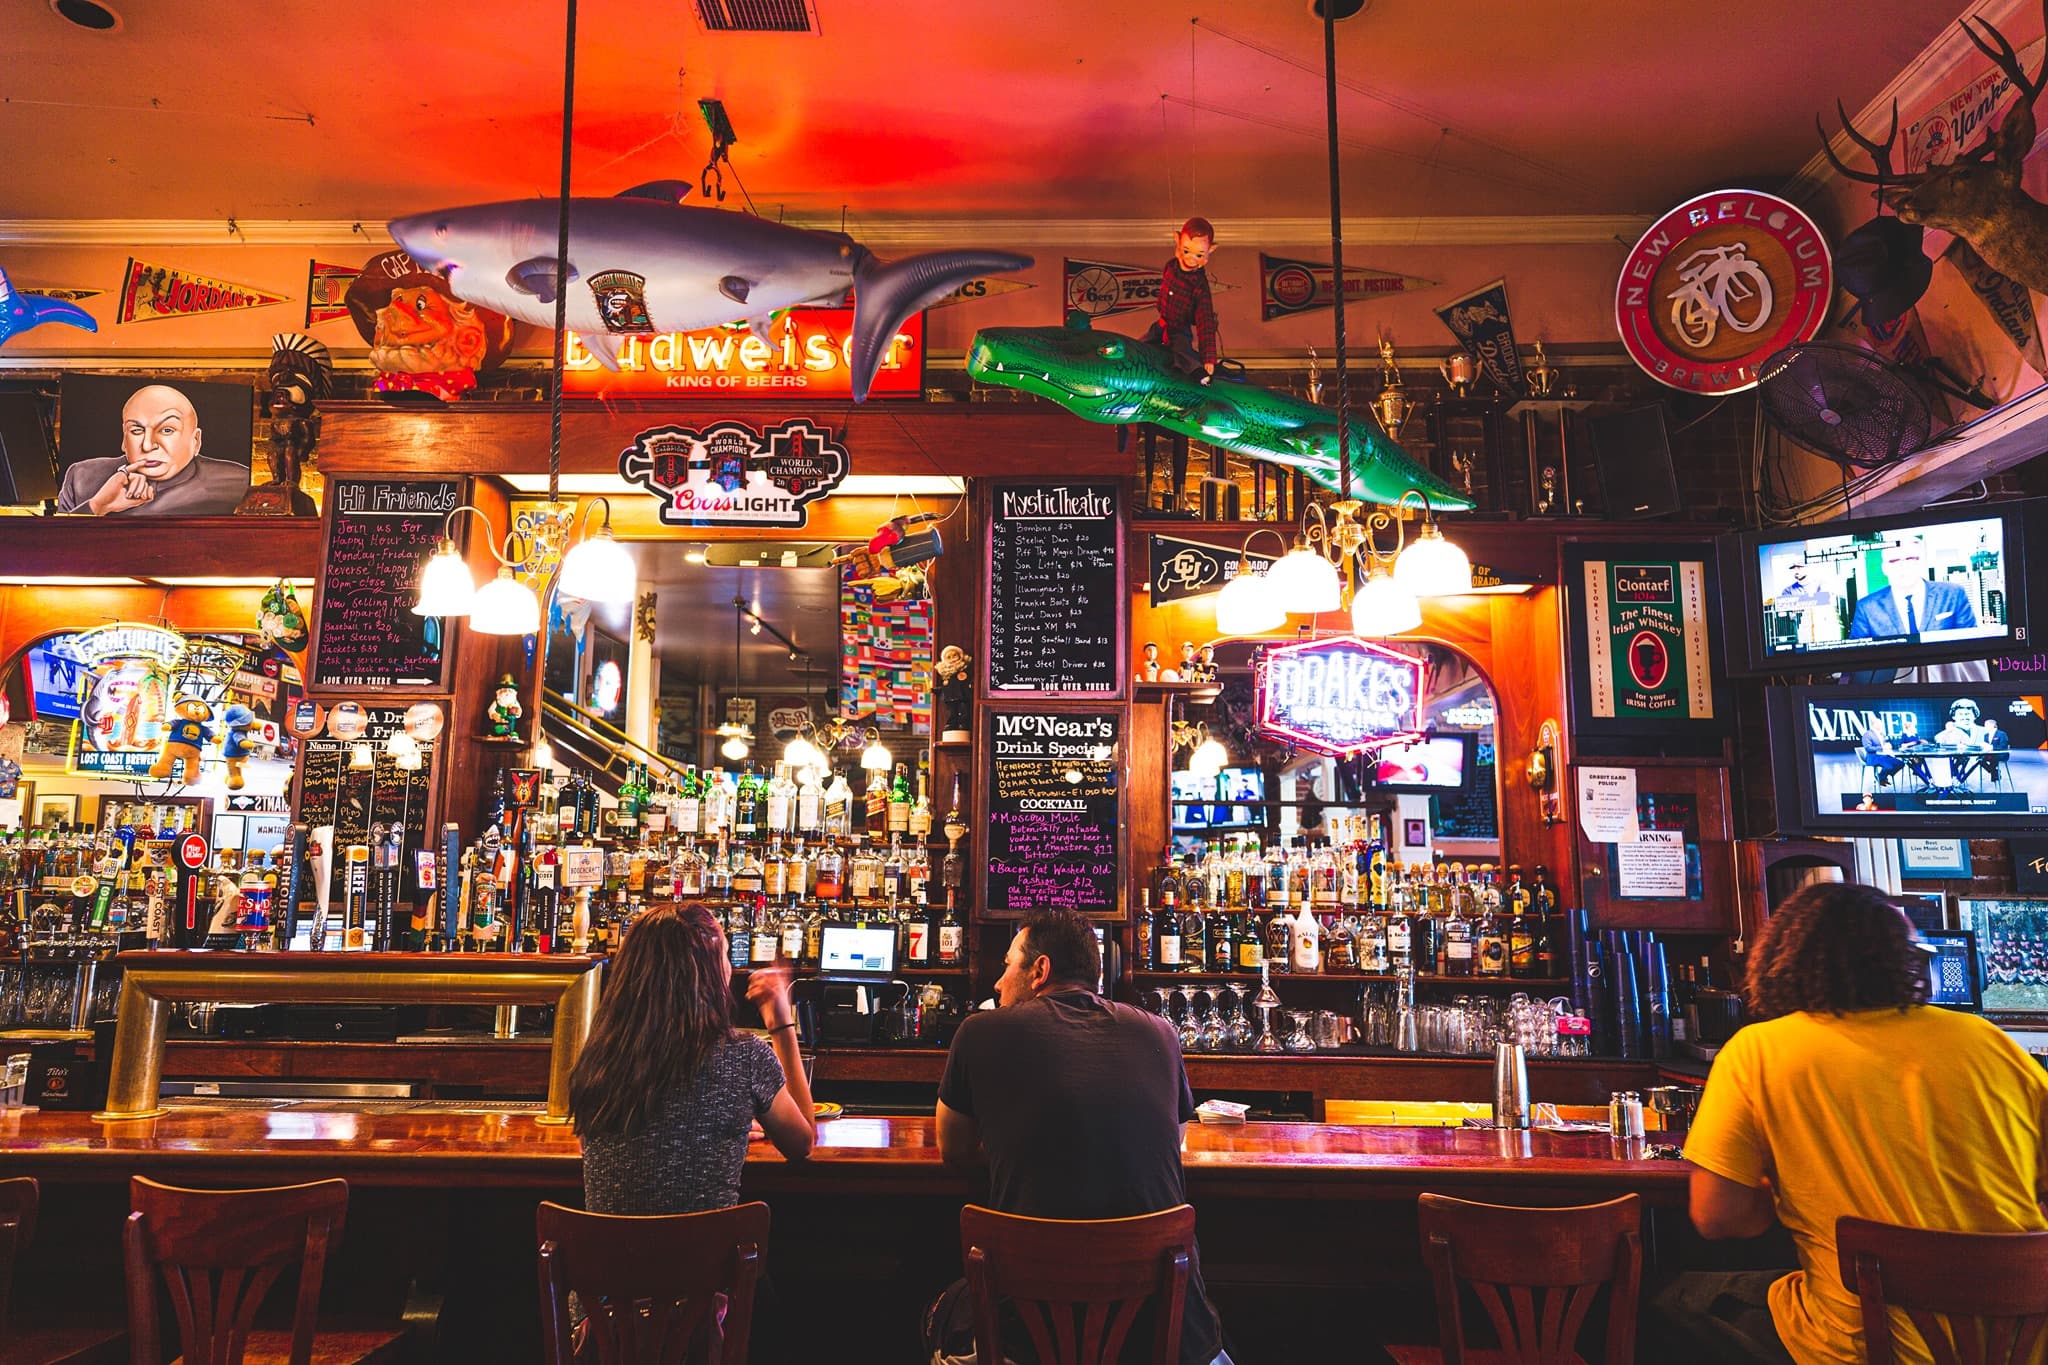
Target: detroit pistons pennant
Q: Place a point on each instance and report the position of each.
(1289, 286)
(151, 293)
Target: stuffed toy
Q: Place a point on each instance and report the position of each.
(235, 724)
(187, 732)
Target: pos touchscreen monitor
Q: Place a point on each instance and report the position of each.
(1882, 760)
(1915, 588)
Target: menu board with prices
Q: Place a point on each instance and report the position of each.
(380, 533)
(1055, 590)
(1055, 809)
(332, 792)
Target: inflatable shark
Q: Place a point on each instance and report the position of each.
(19, 311)
(642, 263)
(1106, 377)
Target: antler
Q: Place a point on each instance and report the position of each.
(2014, 137)
(2005, 59)
(1880, 151)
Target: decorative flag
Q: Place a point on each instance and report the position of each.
(1481, 324)
(1188, 568)
(1289, 286)
(1100, 288)
(2010, 303)
(981, 287)
(153, 292)
(327, 291)
(68, 293)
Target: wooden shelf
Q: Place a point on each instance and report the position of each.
(1529, 983)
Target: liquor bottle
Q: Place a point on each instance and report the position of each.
(828, 874)
(1553, 957)
(1166, 939)
(775, 871)
(749, 879)
(1458, 942)
(917, 870)
(1340, 945)
(1222, 938)
(838, 808)
(792, 936)
(1490, 944)
(565, 811)
(767, 945)
(952, 938)
(1521, 939)
(895, 876)
(917, 937)
(1251, 943)
(898, 814)
(814, 936)
(877, 803)
(1305, 944)
(739, 936)
(779, 803)
(686, 872)
(1279, 929)
(746, 819)
(810, 805)
(626, 815)
(921, 809)
(1400, 930)
(1141, 933)
(863, 875)
(799, 873)
(1370, 944)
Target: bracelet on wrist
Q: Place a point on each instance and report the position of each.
(780, 1027)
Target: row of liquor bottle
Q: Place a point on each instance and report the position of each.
(744, 804)
(759, 934)
(42, 856)
(1343, 910)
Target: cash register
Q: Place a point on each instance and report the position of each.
(856, 969)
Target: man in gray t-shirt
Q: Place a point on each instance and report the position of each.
(159, 470)
(1076, 1101)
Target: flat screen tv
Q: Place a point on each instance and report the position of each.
(1897, 591)
(1954, 980)
(1201, 803)
(1891, 759)
(1433, 765)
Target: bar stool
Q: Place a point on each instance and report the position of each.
(658, 1290)
(1995, 1282)
(1107, 1269)
(1536, 1273)
(219, 1252)
(47, 1345)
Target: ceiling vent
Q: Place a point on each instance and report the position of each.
(757, 16)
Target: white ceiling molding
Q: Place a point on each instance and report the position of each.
(1998, 440)
(1309, 233)
(1932, 72)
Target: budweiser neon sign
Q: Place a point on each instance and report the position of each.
(806, 352)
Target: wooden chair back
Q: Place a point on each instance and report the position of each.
(1078, 1287)
(219, 1252)
(654, 1290)
(1976, 1298)
(19, 1199)
(1536, 1273)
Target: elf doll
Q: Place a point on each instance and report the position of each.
(1187, 313)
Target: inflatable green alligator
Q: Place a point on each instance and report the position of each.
(1105, 377)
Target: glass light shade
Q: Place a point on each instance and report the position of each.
(1382, 607)
(800, 754)
(361, 755)
(1248, 606)
(446, 589)
(505, 606)
(1432, 566)
(598, 570)
(411, 761)
(543, 755)
(1208, 759)
(1302, 582)
(399, 744)
(734, 748)
(876, 758)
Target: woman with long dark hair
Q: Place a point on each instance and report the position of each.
(666, 1089)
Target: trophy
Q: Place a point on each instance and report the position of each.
(1392, 406)
(1544, 378)
(1460, 371)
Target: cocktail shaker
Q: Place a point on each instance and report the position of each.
(1510, 1086)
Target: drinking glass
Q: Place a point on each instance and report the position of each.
(1299, 1039)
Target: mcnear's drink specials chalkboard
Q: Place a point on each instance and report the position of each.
(1054, 811)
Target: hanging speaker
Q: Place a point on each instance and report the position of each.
(1632, 455)
(28, 466)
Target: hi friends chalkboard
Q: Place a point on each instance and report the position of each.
(1055, 590)
(379, 534)
(1054, 811)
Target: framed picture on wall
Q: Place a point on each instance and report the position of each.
(2012, 942)
(136, 445)
(1644, 631)
(1934, 857)
(56, 809)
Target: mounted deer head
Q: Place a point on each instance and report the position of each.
(1977, 196)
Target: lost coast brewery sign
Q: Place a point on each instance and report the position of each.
(805, 352)
(735, 473)
(1338, 696)
(1718, 284)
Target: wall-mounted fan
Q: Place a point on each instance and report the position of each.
(1853, 406)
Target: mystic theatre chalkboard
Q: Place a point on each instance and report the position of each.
(1054, 811)
(379, 533)
(1055, 590)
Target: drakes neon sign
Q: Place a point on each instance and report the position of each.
(1338, 696)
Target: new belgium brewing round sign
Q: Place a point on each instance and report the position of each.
(1718, 284)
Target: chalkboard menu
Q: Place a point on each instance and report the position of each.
(379, 534)
(1055, 590)
(1054, 811)
(353, 799)
(1472, 813)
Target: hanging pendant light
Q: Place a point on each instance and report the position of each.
(597, 568)
(876, 758)
(446, 589)
(1302, 582)
(1248, 605)
(1209, 757)
(1432, 566)
(1382, 607)
(505, 606)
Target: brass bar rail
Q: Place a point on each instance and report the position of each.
(152, 981)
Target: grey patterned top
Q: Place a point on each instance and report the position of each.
(688, 1159)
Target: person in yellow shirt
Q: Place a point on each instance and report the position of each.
(1847, 1096)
